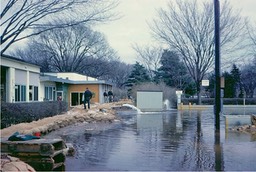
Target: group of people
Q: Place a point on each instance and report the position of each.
(108, 97)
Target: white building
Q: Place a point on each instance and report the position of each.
(19, 80)
(22, 82)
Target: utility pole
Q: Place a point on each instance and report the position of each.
(217, 107)
(219, 165)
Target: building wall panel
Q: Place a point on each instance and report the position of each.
(81, 88)
(150, 100)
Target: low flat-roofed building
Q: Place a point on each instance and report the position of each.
(71, 86)
(22, 82)
(19, 80)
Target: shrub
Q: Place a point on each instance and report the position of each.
(119, 94)
(14, 113)
(239, 101)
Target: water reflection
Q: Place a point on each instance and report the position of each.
(219, 163)
(179, 122)
(170, 140)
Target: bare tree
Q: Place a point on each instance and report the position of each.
(188, 28)
(248, 78)
(33, 54)
(73, 49)
(251, 30)
(98, 68)
(20, 18)
(149, 57)
(119, 73)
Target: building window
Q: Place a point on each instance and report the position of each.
(3, 92)
(49, 93)
(33, 93)
(30, 93)
(20, 93)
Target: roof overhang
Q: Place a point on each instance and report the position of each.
(61, 80)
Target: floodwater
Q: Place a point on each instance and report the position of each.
(158, 141)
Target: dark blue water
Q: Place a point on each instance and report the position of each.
(162, 141)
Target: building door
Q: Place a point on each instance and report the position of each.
(76, 99)
(81, 98)
(59, 95)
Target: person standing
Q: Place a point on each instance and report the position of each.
(87, 98)
(105, 94)
(110, 96)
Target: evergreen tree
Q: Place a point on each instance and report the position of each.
(138, 75)
(229, 85)
(173, 72)
(236, 75)
(232, 83)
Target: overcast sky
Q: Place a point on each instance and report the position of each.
(133, 28)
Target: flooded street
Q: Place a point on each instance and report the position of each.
(158, 141)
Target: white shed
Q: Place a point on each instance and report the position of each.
(150, 100)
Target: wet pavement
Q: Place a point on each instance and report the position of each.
(158, 141)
